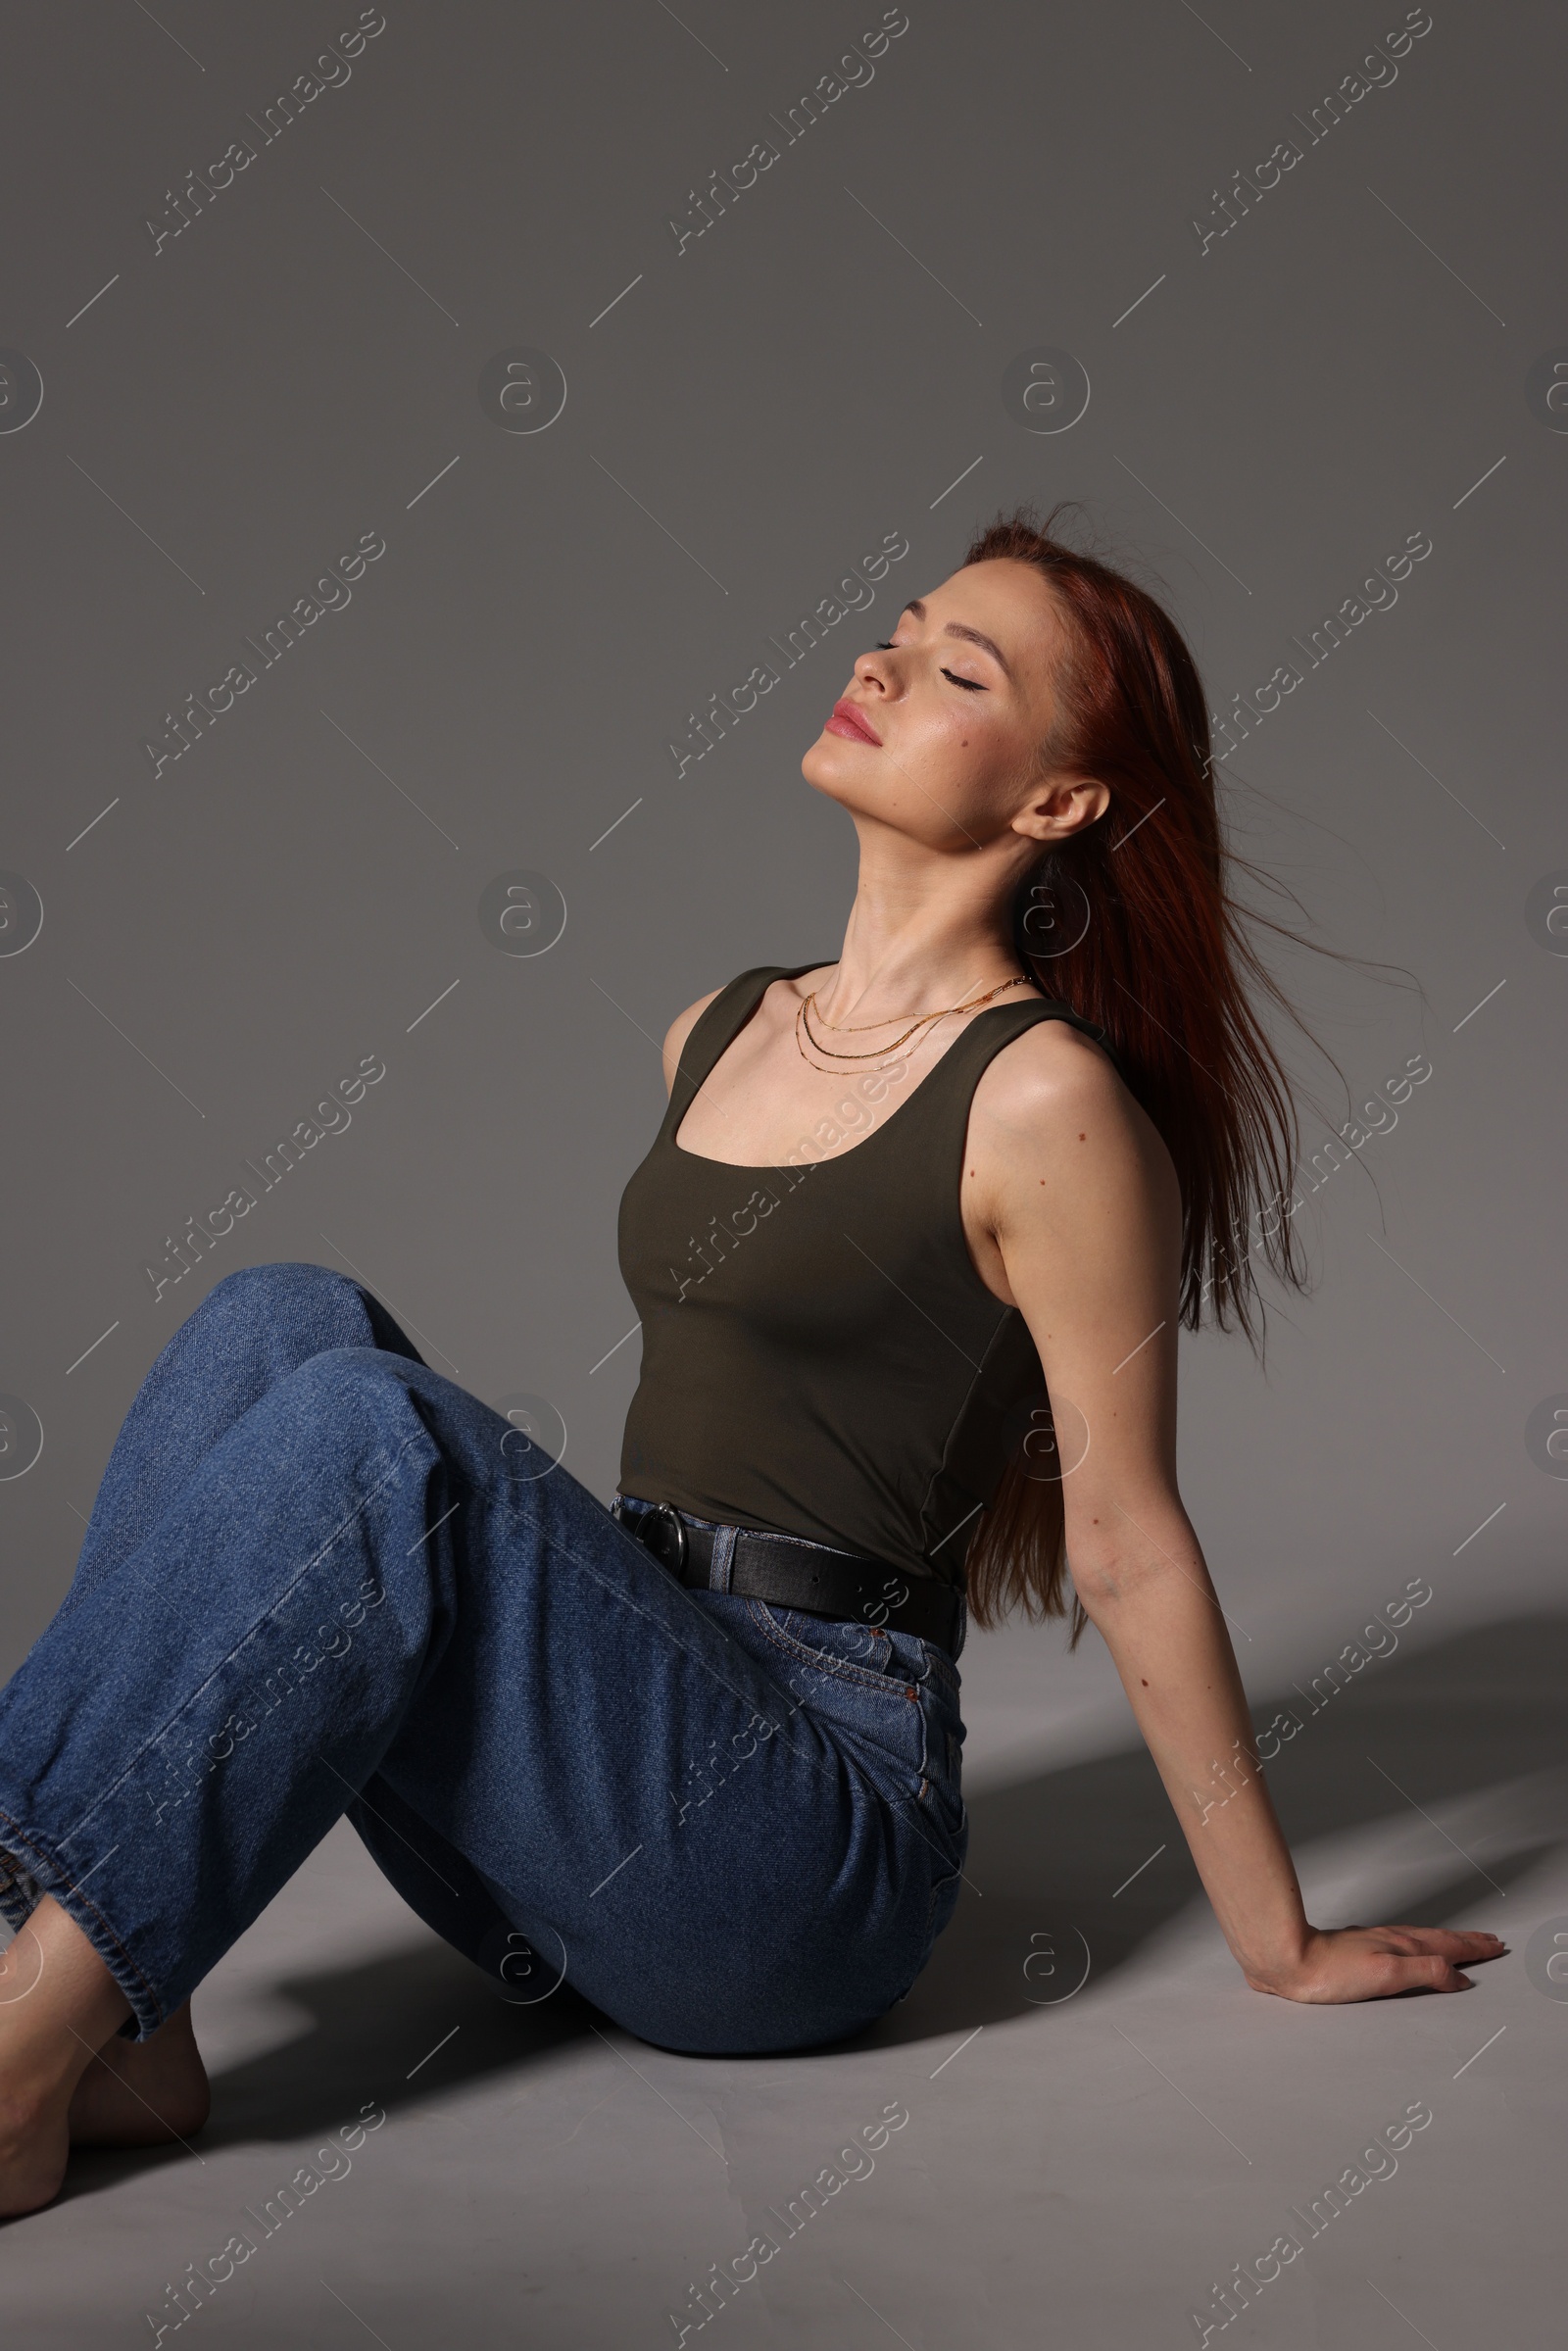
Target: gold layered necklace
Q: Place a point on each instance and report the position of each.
(883, 1054)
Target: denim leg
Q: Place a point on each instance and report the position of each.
(357, 1578)
(251, 1329)
(254, 1327)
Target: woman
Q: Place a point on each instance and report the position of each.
(700, 1757)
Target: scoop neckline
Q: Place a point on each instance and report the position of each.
(773, 1167)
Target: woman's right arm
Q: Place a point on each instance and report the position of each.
(1087, 1216)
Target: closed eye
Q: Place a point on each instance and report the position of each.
(970, 685)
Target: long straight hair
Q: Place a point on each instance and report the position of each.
(1132, 922)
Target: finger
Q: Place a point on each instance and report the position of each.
(1432, 1973)
(1463, 1943)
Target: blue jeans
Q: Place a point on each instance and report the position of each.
(321, 1578)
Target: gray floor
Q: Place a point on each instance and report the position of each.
(1101, 2119)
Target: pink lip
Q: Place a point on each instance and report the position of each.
(847, 720)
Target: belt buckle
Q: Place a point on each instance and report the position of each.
(662, 1531)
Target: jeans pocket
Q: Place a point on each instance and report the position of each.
(941, 1796)
(862, 1655)
(944, 1901)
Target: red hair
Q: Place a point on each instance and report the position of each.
(1132, 921)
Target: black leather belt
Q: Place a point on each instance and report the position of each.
(791, 1573)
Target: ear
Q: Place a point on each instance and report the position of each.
(1063, 806)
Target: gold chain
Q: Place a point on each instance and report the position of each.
(847, 1028)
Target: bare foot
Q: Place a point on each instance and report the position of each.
(142, 2093)
(58, 2003)
(34, 2145)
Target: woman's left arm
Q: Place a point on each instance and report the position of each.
(1079, 1196)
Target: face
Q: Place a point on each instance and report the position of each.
(937, 736)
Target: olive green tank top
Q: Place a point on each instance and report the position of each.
(819, 1355)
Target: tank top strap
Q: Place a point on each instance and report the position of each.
(950, 1086)
(715, 1029)
(946, 1089)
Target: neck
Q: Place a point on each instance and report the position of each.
(925, 930)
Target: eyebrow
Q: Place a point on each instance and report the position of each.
(957, 628)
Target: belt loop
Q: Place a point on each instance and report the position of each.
(721, 1565)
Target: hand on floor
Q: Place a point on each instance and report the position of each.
(1370, 1962)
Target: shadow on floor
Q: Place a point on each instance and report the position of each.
(403, 2025)
(1047, 1855)
(390, 2032)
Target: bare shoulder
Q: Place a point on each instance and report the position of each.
(680, 1028)
(1049, 1068)
(1053, 1129)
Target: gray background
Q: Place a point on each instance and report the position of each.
(1267, 419)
